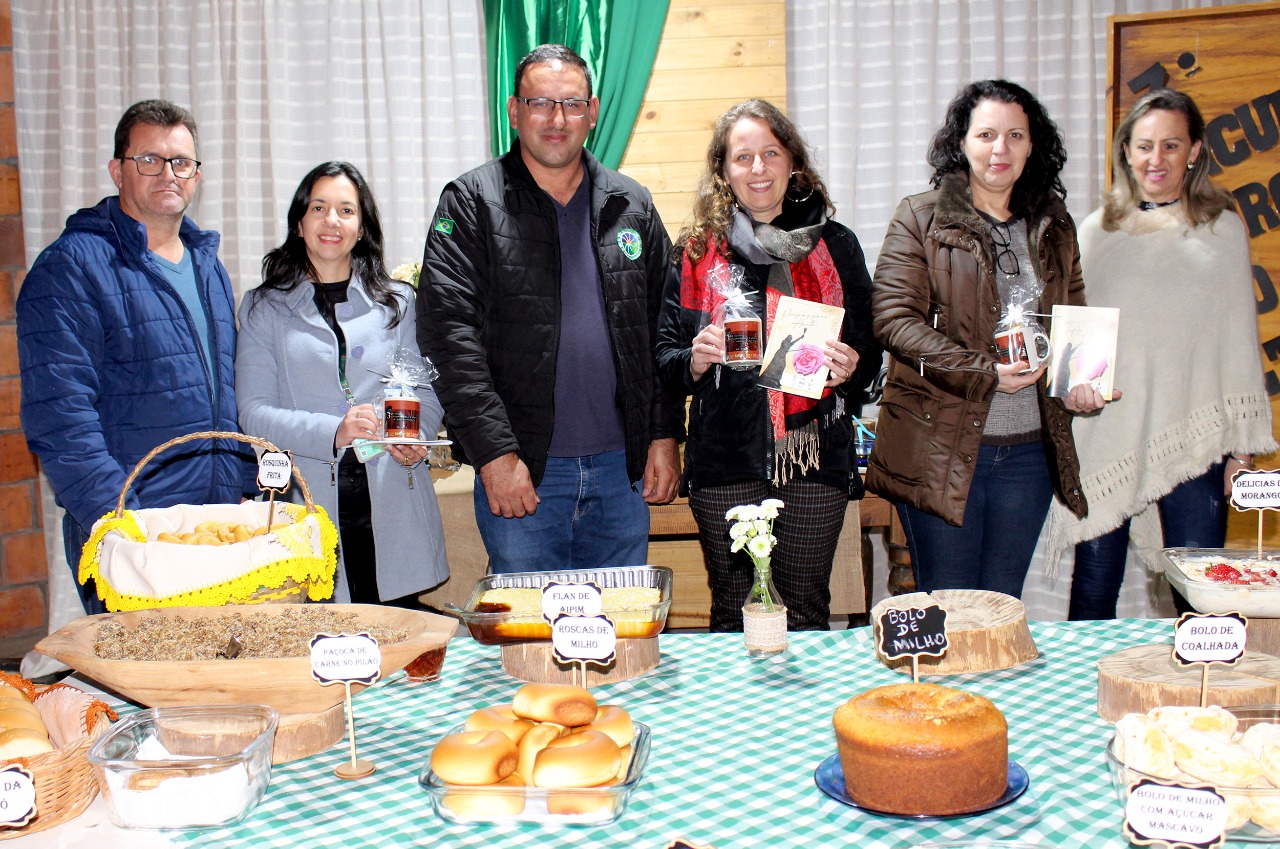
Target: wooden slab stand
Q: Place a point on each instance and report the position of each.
(537, 662)
(1264, 636)
(1143, 677)
(301, 734)
(985, 631)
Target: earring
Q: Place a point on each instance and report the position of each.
(795, 185)
(1190, 165)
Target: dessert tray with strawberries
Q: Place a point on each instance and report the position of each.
(1222, 580)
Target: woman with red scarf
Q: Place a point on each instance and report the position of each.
(761, 219)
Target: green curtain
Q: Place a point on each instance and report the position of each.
(617, 38)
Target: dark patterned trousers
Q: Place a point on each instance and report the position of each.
(807, 529)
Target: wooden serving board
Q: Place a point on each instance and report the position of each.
(535, 661)
(1143, 677)
(985, 631)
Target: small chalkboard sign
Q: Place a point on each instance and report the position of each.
(17, 796)
(920, 631)
(1180, 817)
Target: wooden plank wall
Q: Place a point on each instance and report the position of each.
(706, 63)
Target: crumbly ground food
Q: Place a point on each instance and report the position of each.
(284, 634)
(528, 600)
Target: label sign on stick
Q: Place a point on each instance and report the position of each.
(1174, 816)
(1255, 490)
(1209, 638)
(17, 796)
(274, 470)
(913, 631)
(345, 658)
(584, 599)
(591, 638)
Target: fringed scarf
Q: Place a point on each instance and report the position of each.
(799, 265)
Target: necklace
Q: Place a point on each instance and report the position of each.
(1148, 205)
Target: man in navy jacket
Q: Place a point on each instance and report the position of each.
(126, 336)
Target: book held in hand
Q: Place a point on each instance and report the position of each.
(1083, 340)
(793, 359)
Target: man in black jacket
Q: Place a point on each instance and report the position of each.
(541, 286)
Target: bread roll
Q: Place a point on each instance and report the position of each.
(582, 759)
(499, 718)
(12, 694)
(474, 757)
(1214, 720)
(562, 704)
(615, 722)
(22, 731)
(534, 742)
(1209, 758)
(23, 743)
(1142, 745)
(17, 718)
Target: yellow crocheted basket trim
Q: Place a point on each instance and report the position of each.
(270, 582)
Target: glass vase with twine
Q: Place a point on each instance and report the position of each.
(764, 616)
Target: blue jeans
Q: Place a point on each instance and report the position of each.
(589, 516)
(1008, 500)
(1192, 515)
(73, 539)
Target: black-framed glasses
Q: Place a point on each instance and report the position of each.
(150, 165)
(574, 107)
(1006, 259)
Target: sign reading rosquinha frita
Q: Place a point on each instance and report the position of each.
(1227, 59)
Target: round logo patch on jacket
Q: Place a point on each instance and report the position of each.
(630, 244)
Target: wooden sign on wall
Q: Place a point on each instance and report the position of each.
(1228, 60)
(713, 54)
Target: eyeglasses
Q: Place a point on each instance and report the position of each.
(1006, 259)
(150, 165)
(574, 107)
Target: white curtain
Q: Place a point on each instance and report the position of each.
(868, 83)
(394, 86)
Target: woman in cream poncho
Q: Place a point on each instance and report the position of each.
(1168, 249)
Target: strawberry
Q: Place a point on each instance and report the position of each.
(1222, 573)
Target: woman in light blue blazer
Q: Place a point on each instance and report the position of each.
(313, 342)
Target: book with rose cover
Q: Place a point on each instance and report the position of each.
(1083, 342)
(793, 355)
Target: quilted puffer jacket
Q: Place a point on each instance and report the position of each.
(489, 310)
(112, 367)
(935, 308)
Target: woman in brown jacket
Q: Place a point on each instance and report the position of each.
(971, 449)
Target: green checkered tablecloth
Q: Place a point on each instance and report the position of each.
(735, 745)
